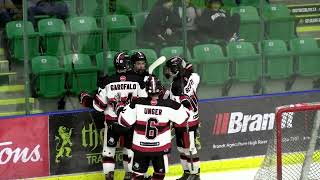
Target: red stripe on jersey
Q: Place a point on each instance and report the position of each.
(99, 106)
(152, 149)
(183, 98)
(184, 124)
(144, 132)
(100, 101)
(109, 118)
(160, 124)
(124, 122)
(134, 97)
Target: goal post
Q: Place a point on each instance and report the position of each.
(293, 151)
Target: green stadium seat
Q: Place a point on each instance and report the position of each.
(215, 66)
(139, 19)
(279, 61)
(48, 77)
(250, 28)
(128, 7)
(279, 24)
(93, 7)
(14, 30)
(199, 3)
(82, 75)
(247, 61)
(109, 62)
(55, 39)
(150, 4)
(250, 3)
(307, 53)
(121, 34)
(87, 37)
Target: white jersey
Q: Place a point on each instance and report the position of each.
(151, 122)
(185, 89)
(119, 87)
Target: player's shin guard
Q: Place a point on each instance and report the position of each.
(184, 162)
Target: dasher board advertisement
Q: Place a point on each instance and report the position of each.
(24, 147)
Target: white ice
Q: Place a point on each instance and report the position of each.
(229, 175)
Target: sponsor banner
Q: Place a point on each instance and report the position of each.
(24, 147)
(242, 128)
(76, 143)
(308, 14)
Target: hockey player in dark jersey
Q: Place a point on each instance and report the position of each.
(140, 63)
(119, 88)
(150, 117)
(183, 89)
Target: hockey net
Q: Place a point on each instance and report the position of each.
(293, 152)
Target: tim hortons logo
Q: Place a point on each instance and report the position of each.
(24, 155)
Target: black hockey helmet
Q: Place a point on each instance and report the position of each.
(138, 56)
(153, 85)
(121, 61)
(215, 1)
(174, 65)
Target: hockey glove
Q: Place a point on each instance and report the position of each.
(85, 99)
(119, 107)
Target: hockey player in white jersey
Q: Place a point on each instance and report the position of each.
(183, 90)
(150, 117)
(115, 92)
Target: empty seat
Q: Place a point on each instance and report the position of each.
(247, 61)
(48, 78)
(128, 7)
(215, 66)
(279, 61)
(14, 30)
(279, 24)
(93, 7)
(121, 34)
(87, 37)
(55, 39)
(250, 28)
(109, 67)
(308, 54)
(82, 75)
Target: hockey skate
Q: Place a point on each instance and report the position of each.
(185, 176)
(194, 177)
(109, 176)
(127, 176)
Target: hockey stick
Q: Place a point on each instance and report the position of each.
(156, 63)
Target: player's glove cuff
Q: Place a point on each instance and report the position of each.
(84, 99)
(119, 107)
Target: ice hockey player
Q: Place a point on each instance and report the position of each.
(120, 88)
(140, 64)
(183, 90)
(150, 117)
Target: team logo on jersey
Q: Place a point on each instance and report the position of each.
(154, 102)
(123, 78)
(136, 166)
(111, 141)
(64, 141)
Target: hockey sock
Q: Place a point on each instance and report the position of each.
(196, 165)
(184, 163)
(108, 164)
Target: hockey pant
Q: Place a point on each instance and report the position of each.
(141, 163)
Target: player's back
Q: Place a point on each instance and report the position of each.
(122, 87)
(152, 132)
